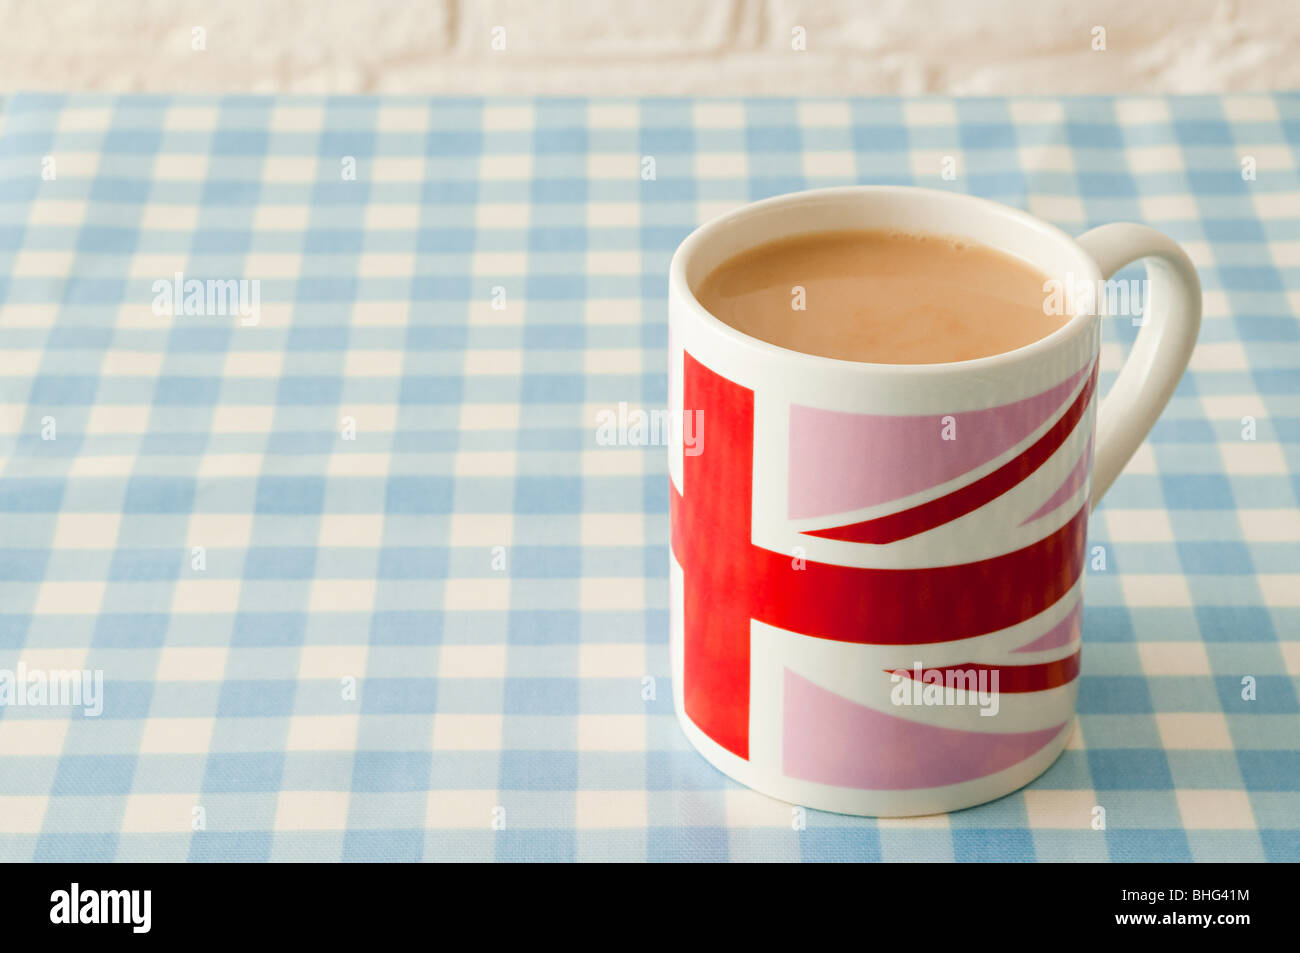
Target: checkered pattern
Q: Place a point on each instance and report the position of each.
(444, 635)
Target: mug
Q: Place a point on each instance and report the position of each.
(876, 570)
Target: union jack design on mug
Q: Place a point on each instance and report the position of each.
(849, 537)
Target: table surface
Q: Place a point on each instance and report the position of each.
(361, 580)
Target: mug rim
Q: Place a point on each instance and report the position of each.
(679, 287)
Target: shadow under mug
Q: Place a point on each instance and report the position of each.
(877, 569)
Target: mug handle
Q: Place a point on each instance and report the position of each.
(1170, 321)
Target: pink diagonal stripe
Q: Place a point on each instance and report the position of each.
(831, 739)
(1073, 482)
(845, 461)
(967, 499)
(1061, 634)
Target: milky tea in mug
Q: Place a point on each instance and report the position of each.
(886, 297)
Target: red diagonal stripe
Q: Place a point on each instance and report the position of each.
(928, 515)
(1017, 679)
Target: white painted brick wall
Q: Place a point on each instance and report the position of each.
(651, 46)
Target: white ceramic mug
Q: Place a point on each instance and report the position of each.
(877, 569)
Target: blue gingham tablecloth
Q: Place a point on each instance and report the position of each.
(363, 583)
